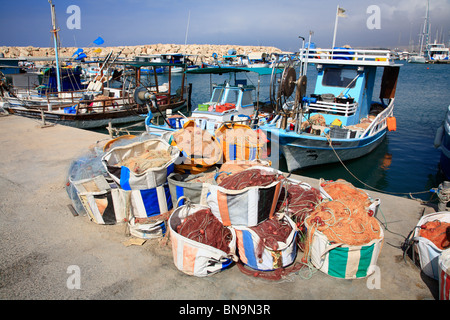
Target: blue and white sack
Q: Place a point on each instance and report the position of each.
(155, 175)
(248, 241)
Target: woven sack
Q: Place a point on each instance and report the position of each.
(246, 207)
(240, 142)
(195, 258)
(180, 186)
(344, 261)
(247, 243)
(444, 275)
(426, 250)
(148, 179)
(102, 203)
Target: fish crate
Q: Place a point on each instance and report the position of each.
(339, 133)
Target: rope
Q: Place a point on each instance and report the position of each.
(365, 184)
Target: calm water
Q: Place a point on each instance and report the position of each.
(406, 161)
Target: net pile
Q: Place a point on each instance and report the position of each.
(198, 144)
(204, 227)
(345, 219)
(249, 178)
(270, 232)
(437, 232)
(148, 159)
(298, 201)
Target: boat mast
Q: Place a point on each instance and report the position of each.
(55, 38)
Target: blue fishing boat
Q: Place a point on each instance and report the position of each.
(340, 120)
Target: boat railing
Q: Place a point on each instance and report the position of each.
(345, 109)
(347, 56)
(380, 122)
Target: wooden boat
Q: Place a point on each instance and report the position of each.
(340, 120)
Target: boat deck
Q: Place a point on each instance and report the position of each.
(41, 239)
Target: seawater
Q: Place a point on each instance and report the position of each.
(406, 163)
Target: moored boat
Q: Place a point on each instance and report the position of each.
(339, 121)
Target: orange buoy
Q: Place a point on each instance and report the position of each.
(391, 123)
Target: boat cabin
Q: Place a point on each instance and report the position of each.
(345, 86)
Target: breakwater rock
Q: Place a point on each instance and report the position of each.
(204, 51)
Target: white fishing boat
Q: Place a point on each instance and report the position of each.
(340, 120)
(230, 102)
(438, 53)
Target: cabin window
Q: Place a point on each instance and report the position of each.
(232, 96)
(247, 99)
(339, 78)
(217, 95)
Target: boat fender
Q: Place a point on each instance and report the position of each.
(391, 123)
(438, 137)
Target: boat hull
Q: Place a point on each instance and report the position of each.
(305, 150)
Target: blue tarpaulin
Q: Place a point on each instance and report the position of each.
(99, 41)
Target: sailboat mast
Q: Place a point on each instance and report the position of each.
(55, 39)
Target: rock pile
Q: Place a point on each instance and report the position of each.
(203, 51)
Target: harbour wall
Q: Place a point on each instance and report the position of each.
(204, 51)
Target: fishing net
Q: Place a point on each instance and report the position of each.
(249, 178)
(298, 201)
(240, 142)
(271, 232)
(345, 191)
(346, 218)
(437, 232)
(231, 167)
(199, 146)
(204, 227)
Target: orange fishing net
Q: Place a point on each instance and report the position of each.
(437, 232)
(345, 219)
(199, 145)
(204, 227)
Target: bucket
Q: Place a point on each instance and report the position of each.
(444, 275)
(195, 258)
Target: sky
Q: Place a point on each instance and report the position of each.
(277, 23)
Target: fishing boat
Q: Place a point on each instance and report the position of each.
(340, 120)
(234, 101)
(99, 104)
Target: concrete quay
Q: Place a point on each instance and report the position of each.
(42, 241)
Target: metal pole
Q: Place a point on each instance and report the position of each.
(55, 39)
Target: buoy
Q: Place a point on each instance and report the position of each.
(391, 123)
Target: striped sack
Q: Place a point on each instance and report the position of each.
(246, 207)
(444, 275)
(247, 241)
(151, 177)
(195, 258)
(102, 203)
(344, 261)
(149, 202)
(180, 186)
(427, 251)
